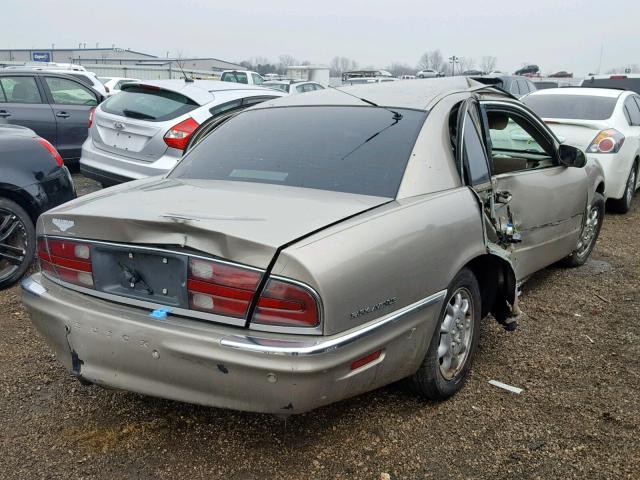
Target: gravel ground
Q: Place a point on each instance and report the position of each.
(576, 354)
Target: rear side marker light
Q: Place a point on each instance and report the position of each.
(178, 136)
(52, 150)
(66, 260)
(607, 141)
(361, 362)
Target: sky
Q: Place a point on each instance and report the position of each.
(555, 34)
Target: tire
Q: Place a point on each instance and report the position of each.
(434, 380)
(622, 205)
(594, 217)
(17, 242)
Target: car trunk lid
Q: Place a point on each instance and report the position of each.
(577, 133)
(242, 222)
(133, 138)
(133, 123)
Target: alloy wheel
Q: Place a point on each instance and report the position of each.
(589, 231)
(13, 243)
(456, 334)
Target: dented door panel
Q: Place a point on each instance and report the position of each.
(545, 208)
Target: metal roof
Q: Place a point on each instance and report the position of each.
(402, 94)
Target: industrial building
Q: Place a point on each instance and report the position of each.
(112, 56)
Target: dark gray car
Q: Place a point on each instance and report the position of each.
(54, 105)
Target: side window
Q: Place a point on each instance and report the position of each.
(633, 111)
(20, 90)
(474, 153)
(319, 87)
(257, 79)
(300, 89)
(522, 85)
(68, 92)
(513, 88)
(517, 144)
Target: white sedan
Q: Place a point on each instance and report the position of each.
(293, 86)
(603, 122)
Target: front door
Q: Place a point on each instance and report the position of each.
(539, 204)
(72, 103)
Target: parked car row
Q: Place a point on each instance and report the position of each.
(306, 248)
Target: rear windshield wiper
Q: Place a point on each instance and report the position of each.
(136, 114)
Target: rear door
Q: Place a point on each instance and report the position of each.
(72, 102)
(22, 102)
(539, 204)
(133, 123)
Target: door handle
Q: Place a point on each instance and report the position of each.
(63, 115)
(4, 114)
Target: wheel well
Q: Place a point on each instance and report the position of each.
(600, 188)
(497, 282)
(21, 200)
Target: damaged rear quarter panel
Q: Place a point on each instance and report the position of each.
(387, 258)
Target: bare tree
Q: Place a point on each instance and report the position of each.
(398, 69)
(488, 64)
(466, 63)
(431, 60)
(287, 60)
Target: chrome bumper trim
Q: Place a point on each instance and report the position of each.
(271, 346)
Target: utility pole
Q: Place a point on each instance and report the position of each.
(453, 60)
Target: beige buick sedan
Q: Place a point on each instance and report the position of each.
(316, 247)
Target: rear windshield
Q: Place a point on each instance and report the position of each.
(632, 84)
(236, 77)
(137, 101)
(583, 107)
(361, 150)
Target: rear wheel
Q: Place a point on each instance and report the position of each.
(623, 204)
(17, 242)
(594, 216)
(447, 362)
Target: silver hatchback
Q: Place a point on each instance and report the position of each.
(144, 130)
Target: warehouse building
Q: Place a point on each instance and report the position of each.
(111, 56)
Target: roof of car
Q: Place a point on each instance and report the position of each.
(391, 94)
(591, 92)
(200, 91)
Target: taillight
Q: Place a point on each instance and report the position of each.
(66, 260)
(286, 304)
(91, 113)
(178, 136)
(607, 141)
(220, 288)
(52, 150)
(618, 77)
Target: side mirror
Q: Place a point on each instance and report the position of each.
(571, 156)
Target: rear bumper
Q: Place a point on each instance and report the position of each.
(221, 366)
(110, 168)
(616, 168)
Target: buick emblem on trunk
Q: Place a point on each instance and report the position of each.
(118, 125)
